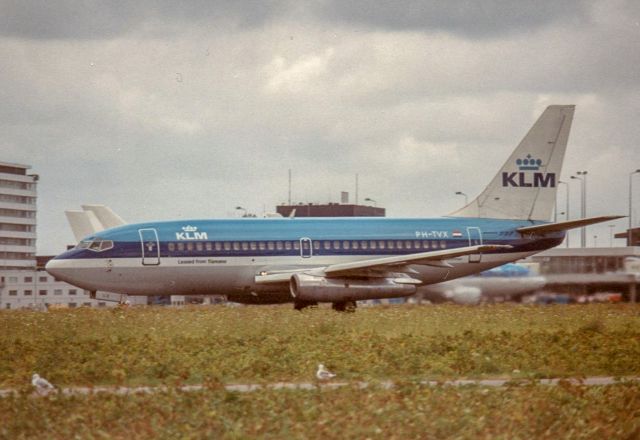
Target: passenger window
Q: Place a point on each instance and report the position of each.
(227, 246)
(408, 244)
(364, 244)
(253, 245)
(236, 246)
(434, 244)
(217, 246)
(346, 245)
(181, 246)
(390, 244)
(374, 244)
(199, 246)
(261, 245)
(271, 245)
(316, 245)
(381, 244)
(279, 245)
(172, 247)
(399, 244)
(190, 246)
(245, 246)
(326, 245)
(416, 244)
(296, 245)
(287, 245)
(443, 244)
(425, 244)
(355, 245)
(208, 246)
(336, 244)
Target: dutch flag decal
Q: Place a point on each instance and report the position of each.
(456, 233)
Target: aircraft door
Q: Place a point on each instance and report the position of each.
(150, 247)
(475, 239)
(306, 247)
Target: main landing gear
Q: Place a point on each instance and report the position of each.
(299, 305)
(341, 306)
(345, 306)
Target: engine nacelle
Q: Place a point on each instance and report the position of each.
(464, 295)
(305, 287)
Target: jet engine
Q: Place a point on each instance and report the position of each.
(464, 295)
(306, 287)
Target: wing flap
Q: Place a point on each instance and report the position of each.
(377, 267)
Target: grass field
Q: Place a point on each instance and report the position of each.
(214, 345)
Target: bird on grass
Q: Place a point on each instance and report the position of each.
(41, 384)
(323, 373)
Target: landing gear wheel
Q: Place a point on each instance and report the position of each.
(345, 306)
(299, 305)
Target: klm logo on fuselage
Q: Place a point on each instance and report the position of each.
(526, 179)
(191, 233)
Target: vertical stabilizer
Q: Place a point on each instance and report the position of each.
(105, 215)
(525, 187)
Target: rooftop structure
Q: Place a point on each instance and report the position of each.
(330, 210)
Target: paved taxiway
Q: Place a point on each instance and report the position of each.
(246, 388)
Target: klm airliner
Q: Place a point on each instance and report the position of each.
(337, 260)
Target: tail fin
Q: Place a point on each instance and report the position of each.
(525, 187)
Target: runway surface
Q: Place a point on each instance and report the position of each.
(247, 388)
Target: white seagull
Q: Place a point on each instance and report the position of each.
(41, 384)
(323, 373)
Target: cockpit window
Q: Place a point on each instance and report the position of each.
(96, 245)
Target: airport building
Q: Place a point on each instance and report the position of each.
(587, 271)
(23, 281)
(18, 194)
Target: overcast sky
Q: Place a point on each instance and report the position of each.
(170, 109)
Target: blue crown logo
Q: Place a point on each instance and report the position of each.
(189, 228)
(528, 163)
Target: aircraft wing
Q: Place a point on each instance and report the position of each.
(357, 268)
(563, 226)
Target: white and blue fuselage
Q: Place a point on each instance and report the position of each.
(225, 256)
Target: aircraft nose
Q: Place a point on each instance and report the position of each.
(54, 267)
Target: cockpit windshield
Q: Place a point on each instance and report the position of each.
(96, 245)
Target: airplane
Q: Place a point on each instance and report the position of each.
(510, 281)
(306, 261)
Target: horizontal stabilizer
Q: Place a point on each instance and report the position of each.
(105, 215)
(83, 223)
(566, 225)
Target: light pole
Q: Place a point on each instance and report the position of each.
(629, 234)
(466, 199)
(371, 200)
(566, 211)
(611, 235)
(583, 184)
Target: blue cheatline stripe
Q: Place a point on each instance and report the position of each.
(128, 249)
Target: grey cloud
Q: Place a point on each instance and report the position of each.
(465, 17)
(94, 19)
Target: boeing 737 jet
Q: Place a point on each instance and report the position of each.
(336, 260)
